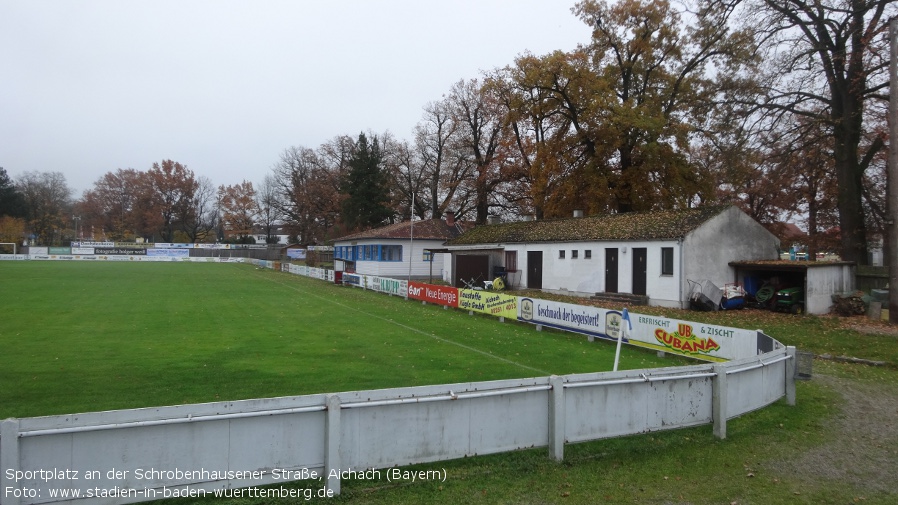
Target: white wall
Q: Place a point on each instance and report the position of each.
(825, 280)
(730, 236)
(585, 277)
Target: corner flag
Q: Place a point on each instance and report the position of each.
(626, 327)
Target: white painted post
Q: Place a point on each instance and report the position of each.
(556, 418)
(332, 445)
(9, 458)
(719, 401)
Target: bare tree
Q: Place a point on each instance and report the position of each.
(481, 127)
(269, 204)
(200, 217)
(48, 202)
(443, 168)
(307, 182)
(828, 63)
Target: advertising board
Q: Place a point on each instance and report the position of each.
(488, 302)
(697, 340)
(387, 285)
(440, 295)
(168, 253)
(125, 251)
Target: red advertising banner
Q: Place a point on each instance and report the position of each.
(440, 295)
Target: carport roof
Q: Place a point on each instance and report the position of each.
(785, 265)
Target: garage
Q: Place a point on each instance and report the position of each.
(471, 268)
(814, 282)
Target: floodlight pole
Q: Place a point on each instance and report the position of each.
(411, 235)
(77, 220)
(892, 176)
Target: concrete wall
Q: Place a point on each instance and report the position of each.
(825, 280)
(730, 236)
(278, 439)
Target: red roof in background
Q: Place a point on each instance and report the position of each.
(790, 230)
(431, 229)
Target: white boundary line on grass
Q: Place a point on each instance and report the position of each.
(415, 330)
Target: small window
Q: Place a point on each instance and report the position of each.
(561, 254)
(511, 261)
(587, 254)
(574, 254)
(667, 261)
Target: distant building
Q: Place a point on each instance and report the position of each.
(399, 250)
(280, 232)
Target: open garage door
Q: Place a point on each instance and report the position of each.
(470, 267)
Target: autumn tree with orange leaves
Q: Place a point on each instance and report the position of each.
(239, 210)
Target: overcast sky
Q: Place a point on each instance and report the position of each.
(90, 86)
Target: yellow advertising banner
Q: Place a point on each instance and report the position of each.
(488, 302)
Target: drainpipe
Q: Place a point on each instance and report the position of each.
(683, 305)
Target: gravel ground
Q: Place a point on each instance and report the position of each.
(863, 449)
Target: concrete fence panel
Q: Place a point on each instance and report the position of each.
(637, 401)
(225, 445)
(756, 382)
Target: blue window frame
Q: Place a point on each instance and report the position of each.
(369, 252)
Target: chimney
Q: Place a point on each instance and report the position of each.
(578, 213)
(450, 218)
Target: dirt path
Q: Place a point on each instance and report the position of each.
(863, 448)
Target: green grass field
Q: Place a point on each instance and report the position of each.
(79, 336)
(94, 336)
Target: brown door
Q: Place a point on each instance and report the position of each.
(640, 270)
(611, 270)
(535, 269)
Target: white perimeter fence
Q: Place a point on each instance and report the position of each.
(195, 450)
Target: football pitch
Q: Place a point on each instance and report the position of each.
(91, 336)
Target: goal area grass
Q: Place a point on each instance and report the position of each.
(92, 336)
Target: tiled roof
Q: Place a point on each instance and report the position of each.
(432, 229)
(660, 225)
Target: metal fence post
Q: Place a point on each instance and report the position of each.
(9, 459)
(556, 418)
(790, 374)
(719, 401)
(332, 445)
